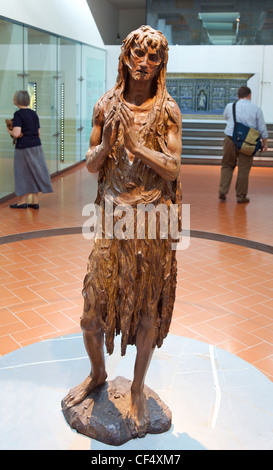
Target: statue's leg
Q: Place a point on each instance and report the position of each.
(139, 418)
(94, 343)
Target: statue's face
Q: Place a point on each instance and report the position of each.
(144, 62)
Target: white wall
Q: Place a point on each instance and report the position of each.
(106, 17)
(256, 60)
(69, 18)
(267, 83)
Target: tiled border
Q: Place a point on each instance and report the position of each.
(232, 240)
(16, 237)
(53, 232)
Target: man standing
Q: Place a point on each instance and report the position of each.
(135, 145)
(250, 115)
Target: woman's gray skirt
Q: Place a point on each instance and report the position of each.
(30, 171)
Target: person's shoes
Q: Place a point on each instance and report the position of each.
(34, 206)
(244, 200)
(18, 206)
(222, 197)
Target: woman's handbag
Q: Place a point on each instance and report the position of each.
(246, 139)
(9, 124)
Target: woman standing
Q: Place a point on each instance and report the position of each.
(30, 171)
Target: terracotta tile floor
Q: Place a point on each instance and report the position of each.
(224, 292)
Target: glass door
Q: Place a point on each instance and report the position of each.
(93, 87)
(41, 80)
(69, 65)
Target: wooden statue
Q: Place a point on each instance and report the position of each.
(135, 145)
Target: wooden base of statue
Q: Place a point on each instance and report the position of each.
(102, 415)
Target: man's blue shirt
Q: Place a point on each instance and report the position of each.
(248, 114)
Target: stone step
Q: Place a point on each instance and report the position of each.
(201, 150)
(203, 124)
(217, 160)
(196, 124)
(189, 132)
(205, 139)
(268, 156)
(203, 133)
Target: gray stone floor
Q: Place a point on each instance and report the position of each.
(218, 401)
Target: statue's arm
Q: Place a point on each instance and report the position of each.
(103, 136)
(166, 164)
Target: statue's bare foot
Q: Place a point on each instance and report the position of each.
(77, 394)
(138, 415)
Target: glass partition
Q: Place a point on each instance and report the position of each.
(69, 96)
(41, 76)
(11, 79)
(64, 78)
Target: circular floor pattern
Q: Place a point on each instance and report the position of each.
(220, 237)
(218, 401)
